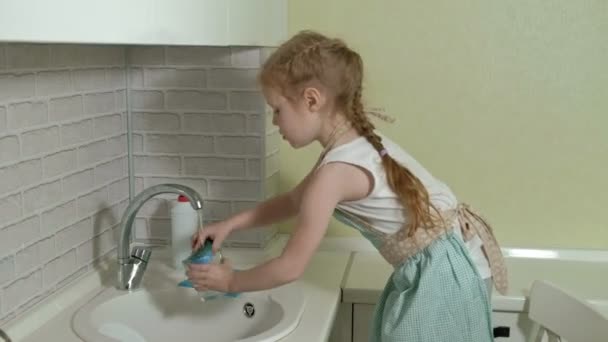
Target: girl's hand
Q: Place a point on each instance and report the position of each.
(217, 232)
(217, 277)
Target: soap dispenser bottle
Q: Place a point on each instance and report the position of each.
(184, 223)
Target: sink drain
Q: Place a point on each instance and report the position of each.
(248, 310)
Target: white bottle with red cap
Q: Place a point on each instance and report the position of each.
(184, 222)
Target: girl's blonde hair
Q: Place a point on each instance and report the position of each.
(312, 59)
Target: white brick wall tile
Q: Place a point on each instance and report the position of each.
(94, 153)
(119, 190)
(26, 114)
(15, 87)
(2, 57)
(155, 122)
(138, 143)
(49, 83)
(3, 119)
(142, 99)
(116, 78)
(240, 189)
(14, 176)
(140, 229)
(156, 207)
(183, 144)
(76, 132)
(19, 234)
(111, 170)
(103, 55)
(158, 165)
(93, 202)
(89, 79)
(101, 103)
(273, 141)
(59, 268)
(58, 218)
(160, 228)
(245, 56)
(74, 235)
(196, 100)
(117, 146)
(199, 185)
(59, 163)
(121, 101)
(255, 123)
(22, 290)
(29, 172)
(205, 55)
(27, 56)
(214, 123)
(95, 248)
(63, 55)
(65, 108)
(77, 183)
(146, 55)
(108, 125)
(9, 149)
(265, 52)
(136, 79)
(254, 168)
(238, 206)
(212, 166)
(233, 78)
(39, 141)
(109, 217)
(74, 276)
(27, 259)
(216, 210)
(174, 78)
(7, 269)
(41, 196)
(238, 145)
(247, 101)
(10, 208)
(139, 184)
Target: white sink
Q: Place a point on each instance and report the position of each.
(161, 311)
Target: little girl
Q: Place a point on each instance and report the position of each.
(437, 291)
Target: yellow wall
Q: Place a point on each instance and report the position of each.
(506, 101)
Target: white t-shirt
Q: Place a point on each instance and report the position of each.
(381, 207)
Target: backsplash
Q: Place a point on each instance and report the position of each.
(63, 165)
(198, 120)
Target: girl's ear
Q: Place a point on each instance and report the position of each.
(313, 99)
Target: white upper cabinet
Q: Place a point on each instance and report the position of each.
(146, 22)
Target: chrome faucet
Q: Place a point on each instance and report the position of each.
(131, 268)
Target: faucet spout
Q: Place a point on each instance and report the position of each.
(130, 265)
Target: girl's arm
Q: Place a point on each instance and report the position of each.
(328, 186)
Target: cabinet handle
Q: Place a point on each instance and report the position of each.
(502, 331)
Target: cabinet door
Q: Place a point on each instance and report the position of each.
(362, 321)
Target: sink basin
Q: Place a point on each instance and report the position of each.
(166, 312)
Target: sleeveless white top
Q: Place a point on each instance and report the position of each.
(381, 207)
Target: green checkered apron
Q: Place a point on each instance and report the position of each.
(435, 295)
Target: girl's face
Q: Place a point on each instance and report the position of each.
(297, 121)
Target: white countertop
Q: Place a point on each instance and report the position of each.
(585, 278)
(353, 265)
(51, 320)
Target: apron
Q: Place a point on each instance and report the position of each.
(435, 293)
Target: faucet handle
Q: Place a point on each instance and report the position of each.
(141, 253)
